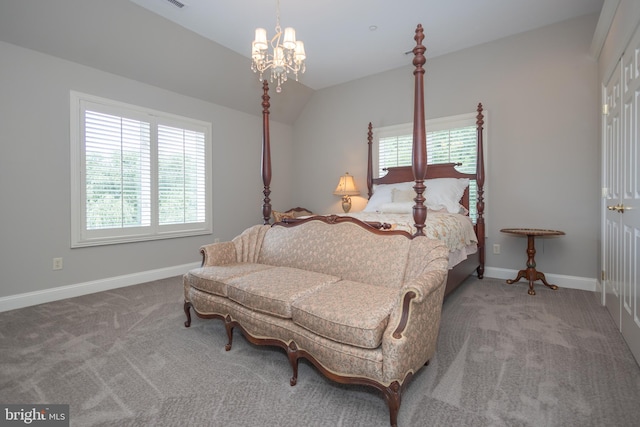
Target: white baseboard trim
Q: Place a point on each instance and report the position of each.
(571, 282)
(27, 299)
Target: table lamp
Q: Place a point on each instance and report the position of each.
(346, 188)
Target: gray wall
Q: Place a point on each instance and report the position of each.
(35, 175)
(540, 90)
(120, 37)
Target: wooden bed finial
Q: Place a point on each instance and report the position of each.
(480, 182)
(266, 154)
(419, 158)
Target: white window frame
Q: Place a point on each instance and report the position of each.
(80, 236)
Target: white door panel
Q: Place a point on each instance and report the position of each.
(630, 318)
(622, 180)
(612, 196)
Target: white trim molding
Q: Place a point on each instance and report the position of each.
(27, 299)
(602, 28)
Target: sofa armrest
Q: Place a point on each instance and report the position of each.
(412, 333)
(218, 253)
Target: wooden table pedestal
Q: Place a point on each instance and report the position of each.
(530, 273)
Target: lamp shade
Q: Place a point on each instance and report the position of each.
(260, 41)
(300, 53)
(289, 38)
(278, 60)
(346, 186)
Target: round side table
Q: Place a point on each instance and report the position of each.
(530, 273)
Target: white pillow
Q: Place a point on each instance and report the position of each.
(382, 194)
(397, 207)
(441, 194)
(401, 196)
(445, 193)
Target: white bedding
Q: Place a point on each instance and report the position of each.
(455, 230)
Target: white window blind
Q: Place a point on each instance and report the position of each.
(117, 172)
(181, 172)
(137, 174)
(449, 140)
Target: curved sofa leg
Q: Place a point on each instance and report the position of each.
(187, 311)
(480, 271)
(393, 398)
(228, 326)
(292, 353)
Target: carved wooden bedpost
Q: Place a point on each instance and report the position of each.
(370, 161)
(419, 159)
(266, 154)
(480, 181)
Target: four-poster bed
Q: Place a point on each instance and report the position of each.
(470, 259)
(464, 260)
(361, 304)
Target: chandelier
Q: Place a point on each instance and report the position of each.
(286, 55)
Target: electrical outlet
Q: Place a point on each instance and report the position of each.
(496, 248)
(57, 263)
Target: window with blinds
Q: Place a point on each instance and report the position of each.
(181, 176)
(449, 140)
(137, 174)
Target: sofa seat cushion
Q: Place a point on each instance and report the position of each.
(213, 279)
(273, 291)
(348, 312)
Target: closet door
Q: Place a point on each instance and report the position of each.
(630, 197)
(622, 196)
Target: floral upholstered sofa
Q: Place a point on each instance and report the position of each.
(362, 305)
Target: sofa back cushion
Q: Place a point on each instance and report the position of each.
(249, 242)
(426, 255)
(345, 249)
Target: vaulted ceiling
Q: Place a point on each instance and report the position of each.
(202, 50)
(346, 40)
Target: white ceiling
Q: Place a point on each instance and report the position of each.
(338, 40)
